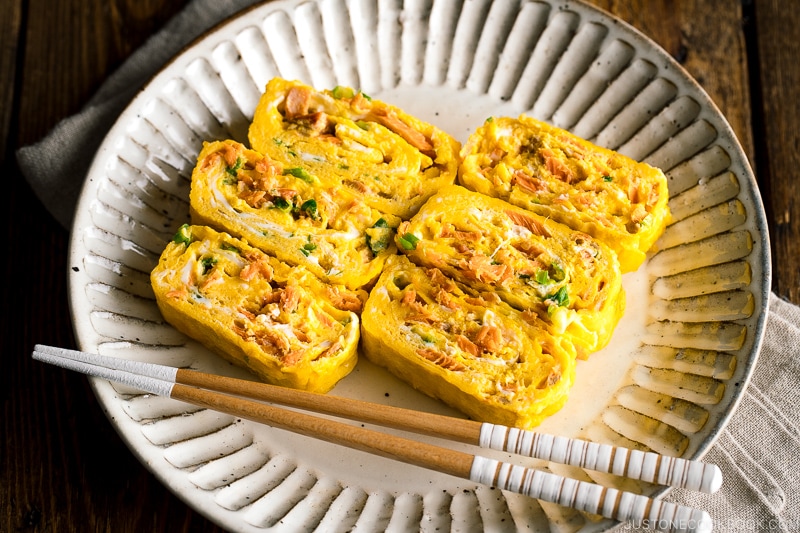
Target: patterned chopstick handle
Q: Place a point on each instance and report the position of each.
(635, 464)
(596, 499)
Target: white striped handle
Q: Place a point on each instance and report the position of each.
(635, 464)
(596, 499)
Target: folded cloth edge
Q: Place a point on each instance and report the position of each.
(56, 166)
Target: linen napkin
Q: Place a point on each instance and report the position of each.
(758, 452)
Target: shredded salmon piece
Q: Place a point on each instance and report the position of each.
(254, 199)
(332, 349)
(249, 314)
(293, 357)
(241, 331)
(268, 167)
(317, 122)
(409, 297)
(445, 299)
(178, 293)
(414, 137)
(210, 160)
(421, 312)
(475, 301)
(490, 297)
(442, 360)
(633, 193)
(272, 337)
(271, 297)
(297, 102)
(324, 318)
(213, 278)
(290, 299)
(257, 266)
(481, 268)
(301, 335)
(462, 248)
(489, 338)
(530, 316)
(229, 153)
(557, 167)
(529, 183)
(496, 154)
(520, 219)
(450, 231)
(283, 192)
(467, 345)
(360, 103)
(244, 183)
(344, 300)
(639, 213)
(439, 279)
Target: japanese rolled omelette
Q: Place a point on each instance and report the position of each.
(472, 351)
(554, 173)
(291, 214)
(567, 279)
(391, 160)
(281, 322)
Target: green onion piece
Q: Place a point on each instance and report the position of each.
(235, 168)
(363, 124)
(183, 235)
(208, 263)
(408, 241)
(557, 272)
(607, 178)
(340, 92)
(310, 208)
(543, 277)
(561, 297)
(281, 204)
(378, 236)
(308, 248)
(230, 248)
(299, 173)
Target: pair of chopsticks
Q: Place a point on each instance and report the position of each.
(246, 399)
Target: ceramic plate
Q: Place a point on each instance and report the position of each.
(668, 381)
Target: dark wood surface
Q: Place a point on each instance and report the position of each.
(55, 53)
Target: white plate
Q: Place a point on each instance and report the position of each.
(674, 371)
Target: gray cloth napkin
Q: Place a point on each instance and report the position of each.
(758, 452)
(52, 166)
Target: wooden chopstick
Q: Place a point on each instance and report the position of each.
(231, 395)
(634, 464)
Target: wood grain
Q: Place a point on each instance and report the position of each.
(778, 161)
(63, 468)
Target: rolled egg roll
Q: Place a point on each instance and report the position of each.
(568, 279)
(388, 158)
(556, 174)
(289, 213)
(280, 322)
(472, 351)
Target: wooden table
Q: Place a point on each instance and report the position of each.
(55, 54)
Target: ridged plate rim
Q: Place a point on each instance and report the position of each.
(90, 339)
